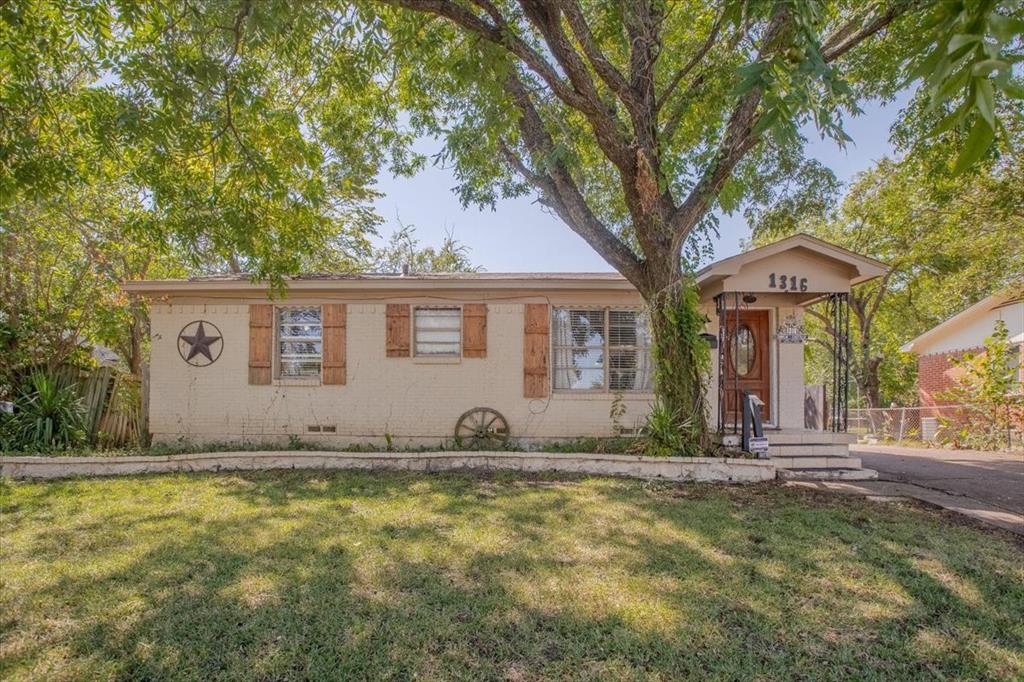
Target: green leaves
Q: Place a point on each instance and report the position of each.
(978, 142)
(259, 128)
(1006, 28)
(965, 59)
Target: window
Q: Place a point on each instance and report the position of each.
(1015, 366)
(299, 342)
(437, 332)
(600, 350)
(742, 351)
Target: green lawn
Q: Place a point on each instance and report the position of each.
(353, 575)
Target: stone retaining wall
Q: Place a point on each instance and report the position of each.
(667, 468)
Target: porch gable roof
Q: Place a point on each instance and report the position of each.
(739, 272)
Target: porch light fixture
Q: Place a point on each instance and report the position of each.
(711, 339)
(749, 298)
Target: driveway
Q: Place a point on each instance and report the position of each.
(992, 478)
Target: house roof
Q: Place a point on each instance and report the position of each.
(996, 300)
(865, 267)
(457, 280)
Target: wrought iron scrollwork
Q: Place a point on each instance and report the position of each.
(838, 313)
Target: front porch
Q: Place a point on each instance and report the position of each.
(755, 305)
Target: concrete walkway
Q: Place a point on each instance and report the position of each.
(987, 486)
(893, 491)
(995, 478)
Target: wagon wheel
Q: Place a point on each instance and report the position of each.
(482, 429)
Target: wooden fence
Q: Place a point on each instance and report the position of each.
(111, 401)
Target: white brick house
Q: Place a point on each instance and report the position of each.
(361, 359)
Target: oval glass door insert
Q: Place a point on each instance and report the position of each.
(742, 351)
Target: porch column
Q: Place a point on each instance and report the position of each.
(838, 314)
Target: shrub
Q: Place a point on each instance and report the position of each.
(986, 388)
(665, 434)
(48, 415)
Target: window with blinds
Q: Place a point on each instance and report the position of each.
(299, 342)
(437, 332)
(600, 349)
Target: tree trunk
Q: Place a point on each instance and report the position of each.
(866, 371)
(135, 332)
(869, 381)
(681, 359)
(140, 366)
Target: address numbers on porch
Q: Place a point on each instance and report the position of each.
(787, 282)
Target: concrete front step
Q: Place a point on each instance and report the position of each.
(815, 462)
(804, 449)
(828, 474)
(797, 437)
(805, 437)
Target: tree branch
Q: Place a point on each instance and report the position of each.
(825, 344)
(676, 117)
(690, 65)
(610, 75)
(547, 20)
(818, 315)
(499, 34)
(561, 191)
(845, 38)
(738, 139)
(883, 287)
(579, 93)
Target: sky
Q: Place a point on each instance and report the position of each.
(520, 236)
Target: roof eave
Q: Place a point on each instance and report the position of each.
(991, 301)
(867, 268)
(188, 287)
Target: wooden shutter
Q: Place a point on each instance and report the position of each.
(397, 337)
(334, 317)
(261, 343)
(536, 345)
(474, 330)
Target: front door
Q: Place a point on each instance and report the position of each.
(747, 363)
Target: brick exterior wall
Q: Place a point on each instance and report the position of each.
(416, 401)
(936, 374)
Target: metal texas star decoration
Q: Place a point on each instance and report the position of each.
(200, 344)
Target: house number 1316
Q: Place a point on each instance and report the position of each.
(787, 282)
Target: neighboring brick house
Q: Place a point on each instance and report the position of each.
(375, 358)
(963, 333)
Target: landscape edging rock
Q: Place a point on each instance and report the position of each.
(635, 466)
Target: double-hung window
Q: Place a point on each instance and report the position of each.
(437, 332)
(299, 342)
(600, 349)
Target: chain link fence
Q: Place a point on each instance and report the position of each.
(956, 425)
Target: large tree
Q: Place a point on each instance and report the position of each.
(632, 121)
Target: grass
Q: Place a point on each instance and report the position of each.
(357, 575)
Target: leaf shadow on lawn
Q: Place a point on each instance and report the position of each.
(353, 575)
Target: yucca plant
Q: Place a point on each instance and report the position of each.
(664, 434)
(48, 415)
